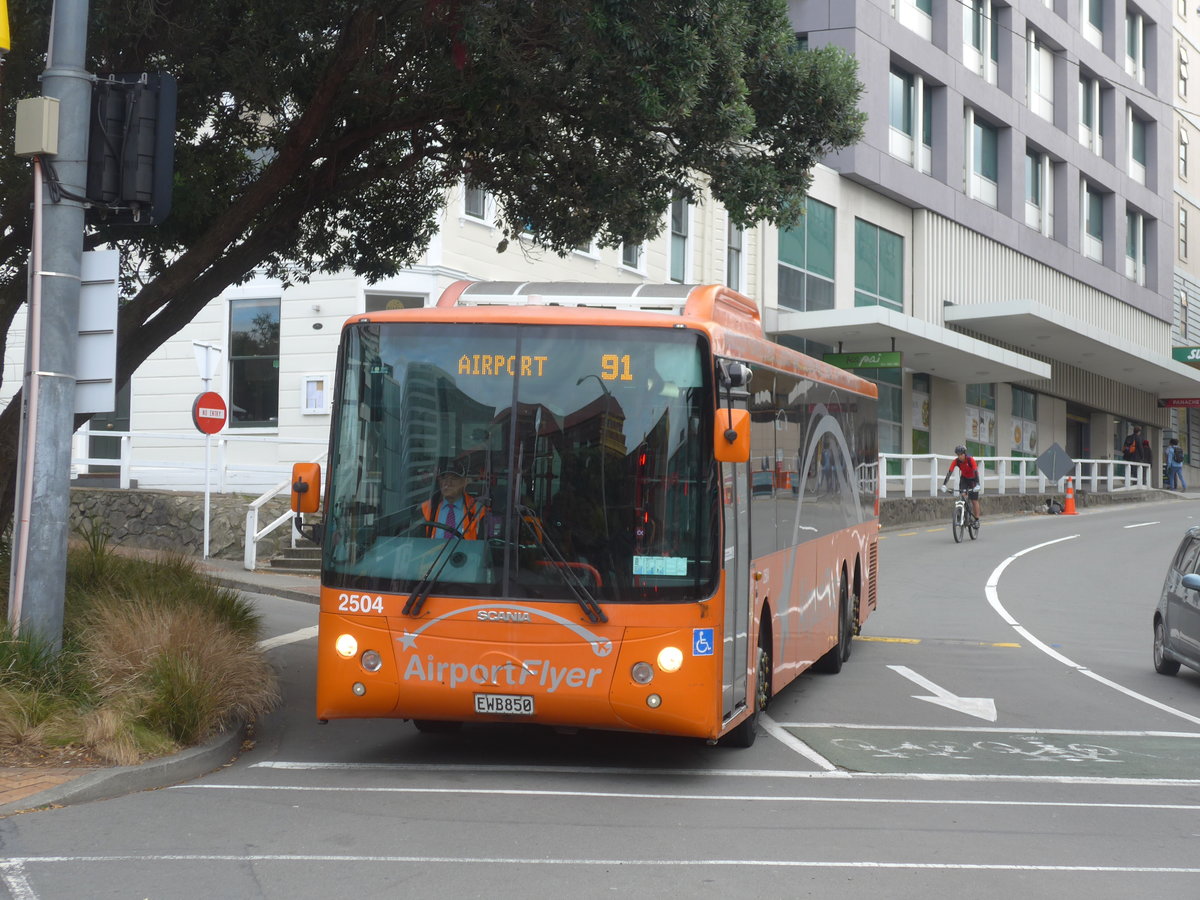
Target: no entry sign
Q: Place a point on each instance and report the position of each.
(209, 412)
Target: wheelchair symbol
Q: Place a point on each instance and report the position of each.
(702, 642)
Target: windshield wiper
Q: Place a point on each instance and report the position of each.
(574, 583)
(433, 574)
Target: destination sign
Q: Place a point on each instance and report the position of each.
(500, 364)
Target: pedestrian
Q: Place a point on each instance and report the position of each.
(1131, 447)
(1175, 466)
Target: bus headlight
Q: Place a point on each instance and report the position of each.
(346, 645)
(372, 661)
(642, 672)
(670, 659)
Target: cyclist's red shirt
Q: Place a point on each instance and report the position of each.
(967, 468)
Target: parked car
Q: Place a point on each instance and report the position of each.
(1177, 617)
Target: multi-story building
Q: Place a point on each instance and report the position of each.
(1011, 216)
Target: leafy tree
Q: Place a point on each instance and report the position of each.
(322, 135)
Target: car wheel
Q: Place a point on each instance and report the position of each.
(1163, 665)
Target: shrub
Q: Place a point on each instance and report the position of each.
(155, 655)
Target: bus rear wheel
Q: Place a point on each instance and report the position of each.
(831, 662)
(744, 734)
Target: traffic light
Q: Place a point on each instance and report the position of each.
(131, 149)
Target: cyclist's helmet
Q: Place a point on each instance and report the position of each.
(959, 449)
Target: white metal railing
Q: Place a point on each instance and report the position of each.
(254, 534)
(921, 475)
(175, 460)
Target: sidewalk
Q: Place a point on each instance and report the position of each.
(23, 788)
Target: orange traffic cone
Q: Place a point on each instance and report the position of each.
(1069, 508)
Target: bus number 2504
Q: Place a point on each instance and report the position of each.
(359, 603)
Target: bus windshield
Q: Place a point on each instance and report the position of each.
(508, 461)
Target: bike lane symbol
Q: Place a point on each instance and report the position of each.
(702, 642)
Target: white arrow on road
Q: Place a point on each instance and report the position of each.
(979, 707)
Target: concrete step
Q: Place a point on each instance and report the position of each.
(295, 565)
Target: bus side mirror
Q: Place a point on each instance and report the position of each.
(306, 487)
(731, 435)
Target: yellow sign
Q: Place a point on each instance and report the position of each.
(5, 38)
(500, 364)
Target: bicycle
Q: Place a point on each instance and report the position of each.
(963, 518)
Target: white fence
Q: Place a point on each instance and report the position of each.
(921, 475)
(175, 460)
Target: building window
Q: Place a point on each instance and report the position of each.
(1024, 428)
(1040, 77)
(381, 302)
(878, 267)
(1183, 235)
(1183, 151)
(920, 412)
(474, 202)
(631, 255)
(1137, 147)
(733, 257)
(980, 34)
(1135, 46)
(910, 104)
(983, 155)
(1090, 131)
(1038, 192)
(1183, 70)
(254, 363)
(679, 238)
(890, 410)
(1093, 223)
(916, 15)
(1135, 247)
(806, 255)
(981, 421)
(1092, 19)
(1183, 315)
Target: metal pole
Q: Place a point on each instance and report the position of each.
(41, 594)
(207, 472)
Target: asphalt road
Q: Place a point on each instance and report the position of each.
(999, 730)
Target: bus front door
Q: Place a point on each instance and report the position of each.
(736, 650)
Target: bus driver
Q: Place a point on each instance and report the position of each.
(451, 505)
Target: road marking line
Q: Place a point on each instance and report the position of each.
(993, 598)
(609, 862)
(907, 533)
(939, 528)
(994, 729)
(888, 640)
(292, 637)
(633, 795)
(720, 773)
(12, 874)
(1141, 524)
(792, 742)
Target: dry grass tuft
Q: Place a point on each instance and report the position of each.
(155, 656)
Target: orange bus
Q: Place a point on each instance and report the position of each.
(589, 505)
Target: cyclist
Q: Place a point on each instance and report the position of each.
(968, 475)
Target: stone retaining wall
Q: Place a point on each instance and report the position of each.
(174, 520)
(911, 510)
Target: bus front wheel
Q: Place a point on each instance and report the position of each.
(744, 734)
